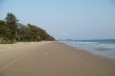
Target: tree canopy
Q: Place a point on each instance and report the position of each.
(12, 30)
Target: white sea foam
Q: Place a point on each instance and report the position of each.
(90, 43)
(106, 47)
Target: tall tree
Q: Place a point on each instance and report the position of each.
(11, 21)
(4, 31)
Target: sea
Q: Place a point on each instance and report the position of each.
(102, 47)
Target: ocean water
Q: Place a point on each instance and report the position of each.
(103, 47)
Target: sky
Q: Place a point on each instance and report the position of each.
(66, 19)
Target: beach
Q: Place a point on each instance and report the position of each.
(51, 58)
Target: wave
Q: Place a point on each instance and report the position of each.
(100, 48)
(105, 47)
(97, 45)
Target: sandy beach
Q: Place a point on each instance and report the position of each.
(51, 59)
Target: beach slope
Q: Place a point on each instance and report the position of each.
(51, 59)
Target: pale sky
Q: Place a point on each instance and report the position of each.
(66, 19)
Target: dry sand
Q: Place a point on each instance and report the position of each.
(51, 59)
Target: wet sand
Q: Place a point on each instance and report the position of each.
(51, 59)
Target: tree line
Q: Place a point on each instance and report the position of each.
(12, 30)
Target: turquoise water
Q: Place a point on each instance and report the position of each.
(103, 47)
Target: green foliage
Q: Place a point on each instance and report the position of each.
(11, 30)
(11, 18)
(11, 21)
(7, 42)
(5, 32)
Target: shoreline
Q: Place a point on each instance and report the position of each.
(87, 52)
(52, 59)
(95, 51)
